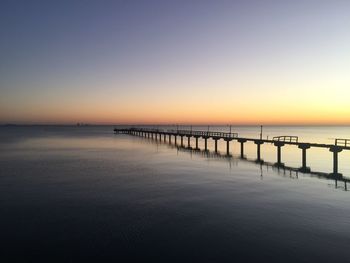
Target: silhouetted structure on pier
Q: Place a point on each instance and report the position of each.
(279, 142)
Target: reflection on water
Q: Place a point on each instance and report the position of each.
(84, 194)
(281, 170)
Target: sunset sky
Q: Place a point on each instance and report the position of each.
(246, 62)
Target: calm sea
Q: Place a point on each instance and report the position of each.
(84, 194)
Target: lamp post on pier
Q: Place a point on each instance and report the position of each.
(229, 125)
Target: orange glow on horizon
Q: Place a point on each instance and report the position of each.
(196, 117)
(306, 105)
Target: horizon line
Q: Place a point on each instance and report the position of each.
(82, 124)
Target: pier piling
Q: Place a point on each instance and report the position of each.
(335, 150)
(205, 143)
(242, 141)
(304, 147)
(279, 145)
(227, 147)
(216, 144)
(258, 146)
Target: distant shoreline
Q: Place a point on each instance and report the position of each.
(167, 125)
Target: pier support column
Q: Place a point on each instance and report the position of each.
(279, 145)
(242, 141)
(304, 147)
(216, 145)
(197, 143)
(335, 150)
(227, 146)
(175, 139)
(189, 142)
(169, 138)
(205, 143)
(258, 150)
(182, 140)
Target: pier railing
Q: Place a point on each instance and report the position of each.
(285, 138)
(205, 133)
(342, 142)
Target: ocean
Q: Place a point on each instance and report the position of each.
(85, 194)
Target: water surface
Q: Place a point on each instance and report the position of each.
(72, 194)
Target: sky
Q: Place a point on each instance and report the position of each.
(166, 62)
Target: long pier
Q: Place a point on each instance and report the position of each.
(278, 142)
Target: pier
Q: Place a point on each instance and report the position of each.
(227, 137)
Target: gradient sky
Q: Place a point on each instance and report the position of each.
(247, 62)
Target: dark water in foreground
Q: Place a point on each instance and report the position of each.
(72, 194)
